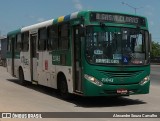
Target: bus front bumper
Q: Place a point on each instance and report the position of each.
(91, 89)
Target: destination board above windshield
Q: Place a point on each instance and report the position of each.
(117, 18)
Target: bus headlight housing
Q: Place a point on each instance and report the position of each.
(93, 80)
(145, 80)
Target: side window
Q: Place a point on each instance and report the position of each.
(14, 40)
(64, 36)
(25, 41)
(42, 39)
(52, 43)
(18, 43)
(9, 42)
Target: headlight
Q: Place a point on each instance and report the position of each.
(93, 80)
(145, 80)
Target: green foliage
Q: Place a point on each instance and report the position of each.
(155, 49)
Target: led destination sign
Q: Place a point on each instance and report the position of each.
(117, 18)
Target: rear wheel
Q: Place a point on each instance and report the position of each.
(63, 87)
(21, 77)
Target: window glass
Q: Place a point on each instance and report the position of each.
(42, 39)
(18, 43)
(52, 43)
(25, 41)
(9, 44)
(116, 46)
(64, 36)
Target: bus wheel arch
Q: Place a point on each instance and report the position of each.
(62, 85)
(21, 76)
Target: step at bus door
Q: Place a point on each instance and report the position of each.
(33, 57)
(77, 60)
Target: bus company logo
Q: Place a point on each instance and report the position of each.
(25, 60)
(21, 115)
(56, 58)
(6, 115)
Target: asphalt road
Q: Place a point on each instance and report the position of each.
(17, 98)
(155, 75)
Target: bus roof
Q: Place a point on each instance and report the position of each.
(59, 20)
(12, 33)
(38, 25)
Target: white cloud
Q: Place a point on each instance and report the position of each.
(77, 5)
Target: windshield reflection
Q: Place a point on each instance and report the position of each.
(116, 46)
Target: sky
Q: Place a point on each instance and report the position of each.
(15, 14)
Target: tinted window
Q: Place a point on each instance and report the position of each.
(9, 44)
(42, 39)
(64, 36)
(18, 43)
(52, 43)
(116, 46)
(25, 41)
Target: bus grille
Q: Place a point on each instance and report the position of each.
(112, 74)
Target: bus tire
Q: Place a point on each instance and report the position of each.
(63, 87)
(21, 77)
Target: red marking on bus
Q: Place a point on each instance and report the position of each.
(46, 64)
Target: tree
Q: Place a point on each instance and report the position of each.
(155, 49)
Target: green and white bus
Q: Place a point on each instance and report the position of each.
(88, 53)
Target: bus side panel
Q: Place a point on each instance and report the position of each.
(9, 63)
(53, 76)
(40, 71)
(25, 60)
(45, 69)
(17, 64)
(67, 71)
(49, 70)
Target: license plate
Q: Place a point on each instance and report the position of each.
(122, 91)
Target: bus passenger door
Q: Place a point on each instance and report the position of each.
(33, 58)
(13, 55)
(77, 60)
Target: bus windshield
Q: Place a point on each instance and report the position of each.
(116, 46)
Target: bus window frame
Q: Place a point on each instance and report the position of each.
(23, 39)
(17, 43)
(147, 50)
(9, 43)
(43, 40)
(58, 37)
(62, 38)
(53, 38)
